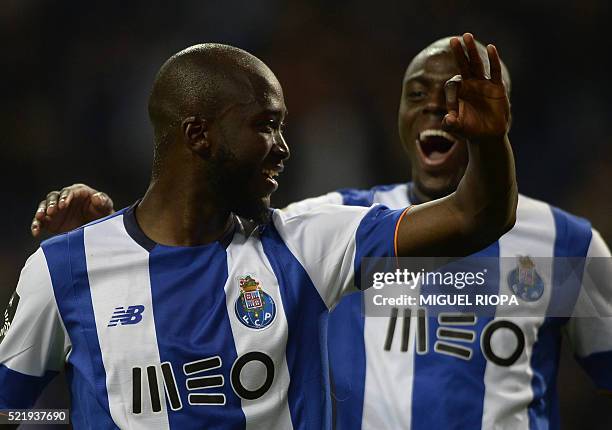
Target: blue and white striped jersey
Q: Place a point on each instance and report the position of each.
(396, 381)
(218, 336)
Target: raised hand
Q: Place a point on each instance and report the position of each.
(69, 208)
(478, 106)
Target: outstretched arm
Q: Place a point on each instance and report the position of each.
(484, 205)
(69, 208)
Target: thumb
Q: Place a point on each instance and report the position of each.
(451, 92)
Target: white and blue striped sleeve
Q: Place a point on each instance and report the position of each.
(33, 341)
(590, 328)
(330, 242)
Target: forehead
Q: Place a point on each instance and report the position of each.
(432, 65)
(256, 96)
(267, 93)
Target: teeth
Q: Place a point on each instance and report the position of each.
(270, 173)
(439, 133)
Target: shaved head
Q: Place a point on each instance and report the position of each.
(438, 159)
(443, 46)
(203, 81)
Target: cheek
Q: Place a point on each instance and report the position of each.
(250, 152)
(256, 148)
(405, 121)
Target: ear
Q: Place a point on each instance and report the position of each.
(195, 135)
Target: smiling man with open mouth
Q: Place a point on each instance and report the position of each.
(438, 157)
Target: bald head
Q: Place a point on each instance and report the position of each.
(203, 81)
(443, 46)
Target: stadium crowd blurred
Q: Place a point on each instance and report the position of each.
(76, 80)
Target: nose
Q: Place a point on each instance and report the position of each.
(436, 104)
(280, 147)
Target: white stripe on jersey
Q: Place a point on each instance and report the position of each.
(387, 400)
(395, 198)
(270, 411)
(127, 284)
(508, 389)
(306, 205)
(47, 347)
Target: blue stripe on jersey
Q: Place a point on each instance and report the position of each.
(23, 389)
(375, 237)
(572, 239)
(308, 392)
(448, 392)
(191, 322)
(354, 197)
(346, 343)
(65, 257)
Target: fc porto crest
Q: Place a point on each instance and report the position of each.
(525, 281)
(254, 307)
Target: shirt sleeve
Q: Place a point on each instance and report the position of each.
(331, 241)
(33, 341)
(590, 328)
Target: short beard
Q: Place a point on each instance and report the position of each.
(225, 177)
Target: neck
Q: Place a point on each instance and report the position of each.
(174, 212)
(418, 196)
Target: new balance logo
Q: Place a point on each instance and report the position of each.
(131, 315)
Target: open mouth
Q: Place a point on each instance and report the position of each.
(435, 146)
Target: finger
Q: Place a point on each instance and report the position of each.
(102, 203)
(52, 202)
(495, 64)
(41, 210)
(35, 227)
(460, 58)
(39, 216)
(451, 92)
(76, 193)
(63, 198)
(476, 66)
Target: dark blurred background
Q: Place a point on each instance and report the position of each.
(76, 78)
